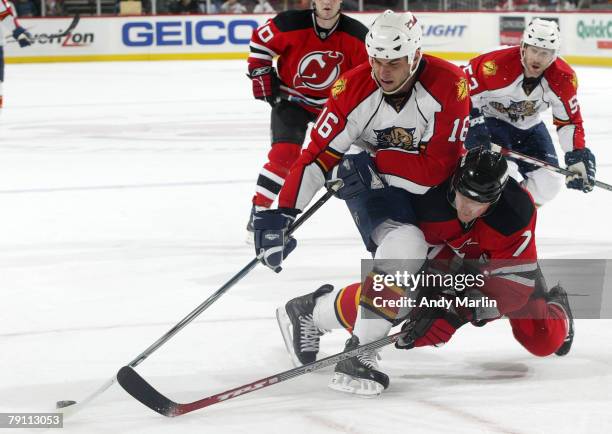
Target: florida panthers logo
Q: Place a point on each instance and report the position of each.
(516, 110)
(396, 137)
(318, 70)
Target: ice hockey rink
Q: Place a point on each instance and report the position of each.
(124, 193)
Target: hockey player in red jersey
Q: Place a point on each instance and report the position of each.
(509, 88)
(478, 222)
(314, 47)
(8, 21)
(409, 111)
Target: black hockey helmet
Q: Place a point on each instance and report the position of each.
(481, 175)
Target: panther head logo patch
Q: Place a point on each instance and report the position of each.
(397, 137)
(517, 109)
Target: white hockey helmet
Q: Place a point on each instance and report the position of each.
(394, 35)
(543, 34)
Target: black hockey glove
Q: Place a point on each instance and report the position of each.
(272, 244)
(582, 163)
(358, 174)
(22, 36)
(266, 85)
(478, 134)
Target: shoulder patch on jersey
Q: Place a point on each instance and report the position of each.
(293, 20)
(462, 89)
(513, 211)
(574, 81)
(489, 68)
(338, 87)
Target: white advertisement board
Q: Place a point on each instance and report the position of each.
(587, 38)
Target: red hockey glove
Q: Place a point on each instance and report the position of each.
(265, 84)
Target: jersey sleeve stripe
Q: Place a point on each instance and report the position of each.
(412, 187)
(260, 56)
(261, 48)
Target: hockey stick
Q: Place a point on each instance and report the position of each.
(69, 29)
(544, 164)
(138, 387)
(71, 407)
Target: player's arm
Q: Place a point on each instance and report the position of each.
(330, 138)
(478, 131)
(9, 21)
(266, 43)
(568, 120)
(435, 157)
(511, 272)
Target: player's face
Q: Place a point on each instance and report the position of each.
(327, 9)
(468, 209)
(390, 73)
(536, 60)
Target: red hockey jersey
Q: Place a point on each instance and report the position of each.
(310, 59)
(496, 80)
(415, 146)
(502, 241)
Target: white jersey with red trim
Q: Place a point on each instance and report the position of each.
(497, 88)
(415, 139)
(8, 20)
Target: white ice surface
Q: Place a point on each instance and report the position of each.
(124, 192)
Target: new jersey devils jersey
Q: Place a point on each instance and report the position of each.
(415, 140)
(503, 240)
(497, 88)
(310, 58)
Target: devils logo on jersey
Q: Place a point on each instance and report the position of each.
(396, 137)
(318, 70)
(516, 110)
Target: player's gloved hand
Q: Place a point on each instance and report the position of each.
(266, 85)
(433, 327)
(272, 243)
(357, 173)
(582, 163)
(22, 36)
(478, 134)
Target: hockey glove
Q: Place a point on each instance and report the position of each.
(266, 85)
(478, 134)
(582, 163)
(22, 36)
(272, 244)
(433, 327)
(358, 174)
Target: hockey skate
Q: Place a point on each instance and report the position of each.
(359, 375)
(558, 296)
(250, 230)
(297, 326)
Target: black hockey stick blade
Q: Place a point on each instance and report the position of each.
(142, 391)
(136, 386)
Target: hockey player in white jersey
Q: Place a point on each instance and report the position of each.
(410, 110)
(509, 88)
(9, 23)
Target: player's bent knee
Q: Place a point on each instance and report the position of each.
(284, 154)
(402, 242)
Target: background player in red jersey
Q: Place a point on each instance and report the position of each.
(479, 221)
(8, 21)
(409, 111)
(509, 89)
(313, 47)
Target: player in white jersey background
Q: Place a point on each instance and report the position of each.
(9, 23)
(509, 88)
